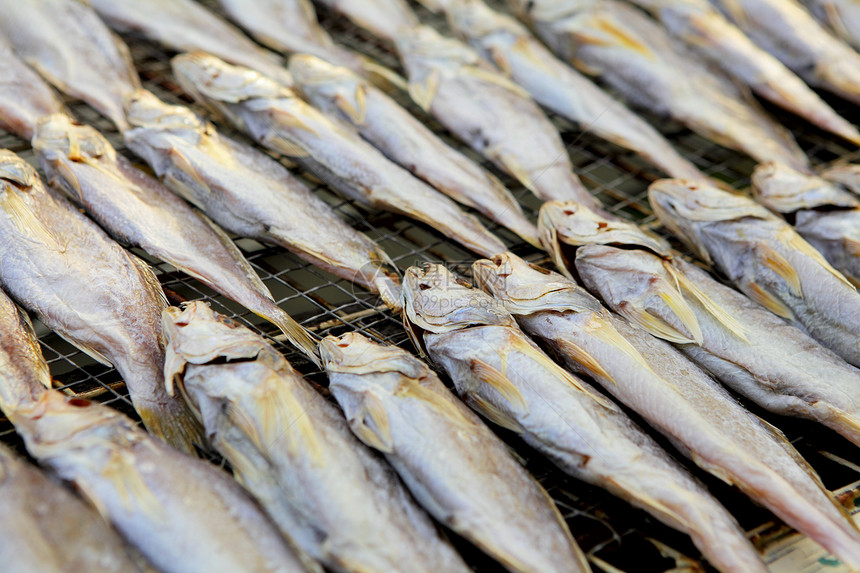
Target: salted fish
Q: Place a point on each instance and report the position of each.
(491, 114)
(450, 461)
(24, 374)
(46, 528)
(344, 96)
(382, 18)
(704, 29)
(512, 48)
(504, 376)
(673, 395)
(842, 17)
(136, 210)
(277, 118)
(183, 514)
(822, 213)
(185, 25)
(248, 193)
(786, 30)
(846, 175)
(57, 263)
(294, 451)
(765, 258)
(67, 43)
(756, 353)
(631, 52)
(24, 96)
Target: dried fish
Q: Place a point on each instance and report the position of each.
(295, 453)
(183, 514)
(448, 458)
(765, 258)
(685, 404)
(24, 96)
(275, 117)
(491, 114)
(823, 214)
(500, 373)
(841, 16)
(846, 175)
(185, 25)
(24, 375)
(382, 18)
(107, 302)
(632, 53)
(342, 95)
(138, 211)
(704, 29)
(67, 43)
(45, 528)
(250, 194)
(511, 47)
(786, 30)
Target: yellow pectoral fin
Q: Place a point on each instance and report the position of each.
(493, 413)
(371, 425)
(355, 108)
(498, 382)
(778, 264)
(794, 241)
(283, 145)
(590, 364)
(658, 327)
(182, 163)
(713, 308)
(613, 35)
(496, 79)
(423, 93)
(769, 301)
(129, 484)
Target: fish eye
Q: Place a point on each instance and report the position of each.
(79, 403)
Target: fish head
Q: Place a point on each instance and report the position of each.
(57, 424)
(15, 173)
(785, 190)
(527, 289)
(353, 353)
(318, 78)
(686, 207)
(475, 20)
(196, 334)
(423, 48)
(60, 142)
(435, 300)
(144, 110)
(565, 226)
(209, 79)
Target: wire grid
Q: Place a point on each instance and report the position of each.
(605, 527)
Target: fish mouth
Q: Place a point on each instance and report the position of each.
(490, 274)
(58, 134)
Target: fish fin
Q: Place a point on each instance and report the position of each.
(282, 417)
(605, 331)
(794, 241)
(423, 93)
(296, 334)
(712, 307)
(283, 145)
(778, 264)
(493, 413)
(590, 364)
(250, 273)
(130, 486)
(780, 438)
(150, 280)
(70, 184)
(500, 60)
(182, 163)
(852, 246)
(616, 37)
(498, 79)
(174, 423)
(376, 70)
(658, 327)
(26, 220)
(372, 425)
(640, 497)
(769, 301)
(283, 118)
(355, 108)
(446, 408)
(586, 68)
(498, 382)
(88, 350)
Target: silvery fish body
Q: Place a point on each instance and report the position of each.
(277, 118)
(183, 514)
(46, 528)
(489, 113)
(504, 376)
(822, 213)
(251, 195)
(24, 96)
(765, 258)
(511, 47)
(842, 17)
(380, 120)
(382, 18)
(185, 25)
(24, 375)
(673, 395)
(846, 175)
(704, 29)
(294, 451)
(748, 348)
(632, 53)
(451, 462)
(786, 30)
(60, 265)
(67, 43)
(138, 211)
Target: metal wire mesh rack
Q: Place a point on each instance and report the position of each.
(607, 528)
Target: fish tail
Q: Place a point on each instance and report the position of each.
(296, 334)
(848, 425)
(174, 423)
